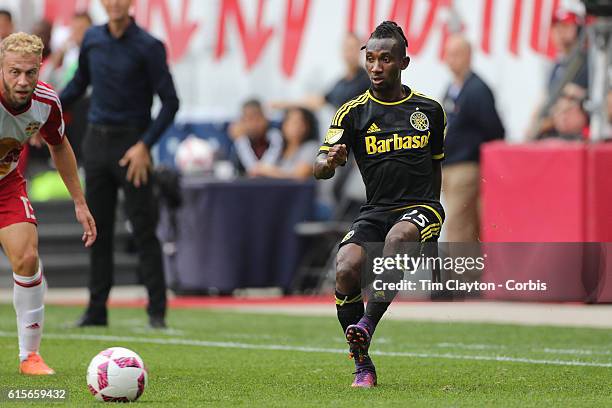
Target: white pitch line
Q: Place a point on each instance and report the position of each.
(548, 350)
(471, 346)
(304, 349)
(583, 352)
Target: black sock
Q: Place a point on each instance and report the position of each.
(374, 312)
(379, 300)
(349, 308)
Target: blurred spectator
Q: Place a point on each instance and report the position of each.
(569, 66)
(354, 82)
(6, 29)
(347, 186)
(36, 158)
(6, 24)
(472, 120)
(255, 141)
(564, 33)
(299, 129)
(43, 29)
(569, 118)
(64, 61)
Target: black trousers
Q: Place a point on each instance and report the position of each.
(102, 149)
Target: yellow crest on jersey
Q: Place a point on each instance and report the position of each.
(32, 128)
(419, 121)
(333, 135)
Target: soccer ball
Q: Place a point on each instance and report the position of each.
(194, 155)
(117, 374)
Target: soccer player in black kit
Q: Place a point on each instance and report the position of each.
(396, 136)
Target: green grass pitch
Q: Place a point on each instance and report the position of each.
(222, 358)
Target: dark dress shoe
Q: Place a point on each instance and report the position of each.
(157, 322)
(88, 321)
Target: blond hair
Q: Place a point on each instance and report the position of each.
(22, 43)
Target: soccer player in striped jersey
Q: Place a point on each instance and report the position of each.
(27, 107)
(396, 136)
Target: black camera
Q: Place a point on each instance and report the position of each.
(600, 8)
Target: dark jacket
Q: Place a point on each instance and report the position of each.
(472, 120)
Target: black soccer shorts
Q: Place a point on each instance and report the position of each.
(373, 225)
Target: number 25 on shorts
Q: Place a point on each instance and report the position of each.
(416, 217)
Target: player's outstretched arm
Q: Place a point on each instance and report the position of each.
(325, 164)
(64, 160)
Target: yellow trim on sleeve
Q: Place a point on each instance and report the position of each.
(438, 156)
(344, 109)
(324, 149)
(340, 110)
(357, 102)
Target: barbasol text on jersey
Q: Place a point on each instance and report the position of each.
(376, 145)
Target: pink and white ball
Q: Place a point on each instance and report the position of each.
(194, 156)
(117, 374)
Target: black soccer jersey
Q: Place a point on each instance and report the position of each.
(394, 143)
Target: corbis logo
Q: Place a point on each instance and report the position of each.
(419, 121)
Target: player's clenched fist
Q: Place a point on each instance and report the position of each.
(337, 155)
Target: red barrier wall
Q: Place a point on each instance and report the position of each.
(533, 193)
(559, 266)
(604, 293)
(549, 192)
(599, 193)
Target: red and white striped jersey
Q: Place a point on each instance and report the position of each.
(42, 114)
